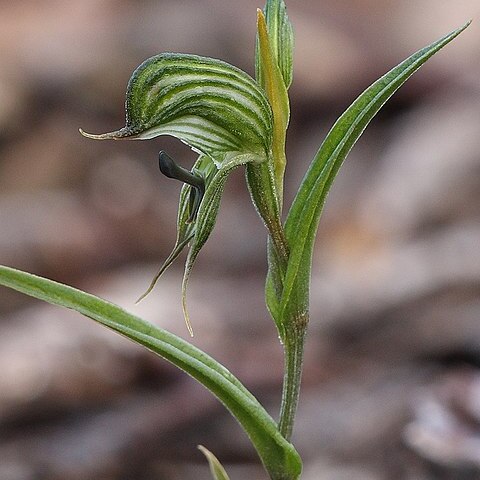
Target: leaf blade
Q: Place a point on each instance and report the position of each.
(304, 215)
(276, 453)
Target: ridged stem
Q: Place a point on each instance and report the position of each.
(294, 342)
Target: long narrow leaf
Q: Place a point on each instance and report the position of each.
(302, 221)
(277, 454)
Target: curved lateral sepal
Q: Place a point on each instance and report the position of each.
(207, 217)
(185, 229)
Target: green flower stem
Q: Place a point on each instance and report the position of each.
(293, 329)
(295, 333)
(302, 220)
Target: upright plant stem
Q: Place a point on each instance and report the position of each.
(294, 327)
(294, 351)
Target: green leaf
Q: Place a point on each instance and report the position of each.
(278, 456)
(304, 215)
(212, 106)
(216, 467)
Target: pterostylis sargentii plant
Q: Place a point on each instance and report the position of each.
(231, 121)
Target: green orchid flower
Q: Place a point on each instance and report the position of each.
(215, 108)
(229, 119)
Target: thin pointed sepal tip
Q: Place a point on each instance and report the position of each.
(187, 318)
(91, 135)
(189, 325)
(140, 298)
(123, 133)
(143, 296)
(149, 289)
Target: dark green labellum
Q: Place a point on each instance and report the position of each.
(194, 178)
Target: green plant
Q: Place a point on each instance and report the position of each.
(232, 120)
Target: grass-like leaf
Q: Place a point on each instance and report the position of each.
(278, 456)
(304, 215)
(216, 467)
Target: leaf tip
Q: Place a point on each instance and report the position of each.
(459, 30)
(216, 467)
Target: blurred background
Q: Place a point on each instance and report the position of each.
(392, 371)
